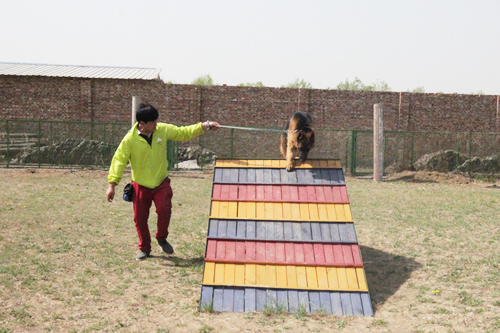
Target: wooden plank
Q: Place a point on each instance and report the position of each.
(280, 252)
(219, 274)
(250, 304)
(308, 253)
(322, 278)
(213, 225)
(314, 301)
(334, 231)
(347, 253)
(275, 176)
(243, 176)
(319, 254)
(260, 251)
(250, 251)
(360, 274)
(259, 176)
(260, 275)
(211, 249)
(277, 211)
(252, 176)
(218, 175)
(271, 298)
(260, 299)
(233, 192)
(357, 305)
(250, 274)
(218, 299)
(270, 228)
(239, 300)
(367, 304)
(325, 232)
(209, 273)
(268, 177)
(291, 277)
(336, 304)
(278, 230)
(288, 232)
(270, 252)
(351, 233)
(228, 300)
(319, 195)
(271, 276)
(344, 236)
(312, 277)
(206, 297)
(231, 229)
(356, 255)
(240, 254)
(342, 278)
(281, 277)
(329, 256)
(261, 230)
(352, 279)
(325, 302)
(283, 300)
(239, 275)
(241, 229)
(304, 300)
(333, 281)
(346, 304)
(251, 193)
(221, 250)
(338, 254)
(293, 300)
(306, 231)
(230, 250)
(301, 277)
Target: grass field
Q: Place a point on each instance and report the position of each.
(431, 251)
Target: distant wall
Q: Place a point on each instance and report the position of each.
(109, 100)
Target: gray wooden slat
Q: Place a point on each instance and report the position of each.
(325, 301)
(268, 179)
(336, 303)
(333, 176)
(297, 231)
(301, 177)
(314, 301)
(288, 232)
(260, 299)
(233, 178)
(231, 229)
(206, 297)
(261, 230)
(251, 176)
(304, 300)
(251, 230)
(259, 176)
(308, 176)
(325, 232)
(218, 175)
(316, 232)
(283, 300)
(325, 176)
(346, 304)
(222, 229)
(293, 300)
(218, 299)
(239, 300)
(340, 174)
(226, 175)
(243, 176)
(284, 176)
(250, 304)
(278, 231)
(272, 298)
(351, 232)
(275, 176)
(270, 230)
(212, 228)
(344, 236)
(334, 231)
(357, 306)
(367, 304)
(306, 231)
(316, 176)
(241, 229)
(228, 300)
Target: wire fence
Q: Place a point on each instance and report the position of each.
(38, 143)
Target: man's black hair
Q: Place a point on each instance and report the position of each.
(146, 113)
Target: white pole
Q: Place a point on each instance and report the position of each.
(378, 143)
(135, 106)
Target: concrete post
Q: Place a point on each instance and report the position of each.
(135, 105)
(378, 143)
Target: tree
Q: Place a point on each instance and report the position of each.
(356, 84)
(203, 80)
(419, 90)
(298, 84)
(248, 84)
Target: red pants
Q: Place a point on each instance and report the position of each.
(142, 199)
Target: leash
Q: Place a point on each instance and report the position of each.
(257, 129)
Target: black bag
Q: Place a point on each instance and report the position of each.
(128, 192)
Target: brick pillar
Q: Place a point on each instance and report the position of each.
(86, 113)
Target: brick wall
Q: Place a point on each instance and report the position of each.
(109, 100)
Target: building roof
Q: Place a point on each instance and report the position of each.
(97, 72)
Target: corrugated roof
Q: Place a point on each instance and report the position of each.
(97, 72)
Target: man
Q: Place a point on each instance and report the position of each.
(145, 147)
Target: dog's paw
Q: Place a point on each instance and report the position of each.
(289, 166)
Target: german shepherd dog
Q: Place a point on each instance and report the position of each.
(299, 139)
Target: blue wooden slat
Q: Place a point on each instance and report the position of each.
(293, 300)
(333, 176)
(344, 236)
(301, 177)
(228, 300)
(231, 229)
(275, 176)
(268, 179)
(346, 304)
(316, 232)
(243, 176)
(352, 233)
(283, 300)
(241, 229)
(325, 176)
(270, 230)
(212, 228)
(288, 232)
(340, 174)
(306, 231)
(284, 176)
(325, 232)
(259, 176)
(222, 229)
(325, 301)
(297, 231)
(251, 176)
(304, 300)
(336, 303)
(239, 300)
(206, 297)
(260, 298)
(367, 304)
(357, 306)
(261, 230)
(316, 176)
(218, 175)
(314, 301)
(272, 298)
(278, 231)
(250, 304)
(308, 176)
(251, 230)
(334, 231)
(218, 299)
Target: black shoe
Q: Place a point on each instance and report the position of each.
(142, 255)
(167, 248)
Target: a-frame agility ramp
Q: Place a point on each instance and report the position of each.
(284, 240)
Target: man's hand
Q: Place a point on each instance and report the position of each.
(210, 125)
(110, 193)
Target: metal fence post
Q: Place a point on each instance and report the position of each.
(353, 152)
(378, 142)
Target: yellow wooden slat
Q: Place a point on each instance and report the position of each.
(232, 209)
(304, 211)
(223, 212)
(342, 278)
(322, 212)
(219, 273)
(352, 279)
(250, 275)
(260, 210)
(239, 274)
(339, 210)
(268, 163)
(276, 163)
(251, 210)
(277, 211)
(271, 275)
(209, 273)
(301, 277)
(229, 274)
(322, 277)
(281, 276)
(214, 211)
(283, 163)
(268, 210)
(333, 280)
(312, 278)
(251, 163)
(260, 275)
(291, 277)
(347, 211)
(332, 215)
(259, 163)
(242, 209)
(313, 212)
(323, 164)
(360, 272)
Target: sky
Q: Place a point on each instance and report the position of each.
(447, 46)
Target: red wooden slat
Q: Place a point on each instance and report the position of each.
(221, 250)
(251, 192)
(299, 252)
(319, 254)
(285, 193)
(268, 193)
(243, 192)
(337, 253)
(343, 192)
(302, 193)
(336, 194)
(348, 259)
(294, 193)
(277, 193)
(216, 192)
(356, 255)
(250, 251)
(260, 251)
(259, 192)
(240, 251)
(233, 192)
(311, 194)
(308, 253)
(329, 257)
(280, 252)
(230, 250)
(211, 249)
(320, 193)
(270, 252)
(224, 193)
(328, 193)
(289, 252)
